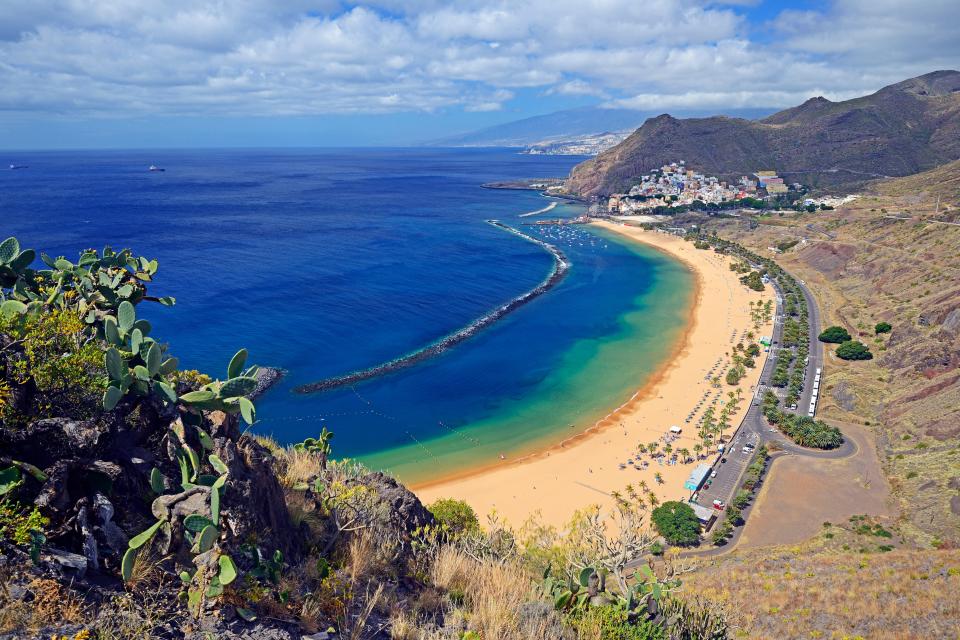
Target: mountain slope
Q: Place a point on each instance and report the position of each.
(899, 130)
(562, 126)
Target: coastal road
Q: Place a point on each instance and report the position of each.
(815, 349)
(755, 429)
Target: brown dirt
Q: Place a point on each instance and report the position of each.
(801, 493)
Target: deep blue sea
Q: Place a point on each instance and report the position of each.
(322, 262)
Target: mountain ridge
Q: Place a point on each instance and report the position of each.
(563, 126)
(898, 130)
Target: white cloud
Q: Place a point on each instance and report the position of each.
(257, 57)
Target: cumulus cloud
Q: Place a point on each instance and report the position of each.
(257, 57)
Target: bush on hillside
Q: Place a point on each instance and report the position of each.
(456, 516)
(834, 335)
(677, 523)
(882, 327)
(854, 350)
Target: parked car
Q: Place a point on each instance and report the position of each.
(719, 505)
(713, 475)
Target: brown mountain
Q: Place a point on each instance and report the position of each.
(901, 129)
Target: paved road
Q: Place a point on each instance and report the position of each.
(815, 349)
(755, 430)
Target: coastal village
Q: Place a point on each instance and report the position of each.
(675, 185)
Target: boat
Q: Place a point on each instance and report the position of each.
(154, 167)
(13, 167)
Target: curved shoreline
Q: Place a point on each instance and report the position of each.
(681, 347)
(560, 267)
(587, 467)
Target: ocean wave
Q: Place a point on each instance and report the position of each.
(560, 267)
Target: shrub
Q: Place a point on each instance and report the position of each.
(834, 335)
(854, 350)
(882, 327)
(677, 523)
(19, 524)
(753, 280)
(456, 516)
(612, 623)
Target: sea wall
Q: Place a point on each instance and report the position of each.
(560, 267)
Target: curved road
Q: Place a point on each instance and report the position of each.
(754, 428)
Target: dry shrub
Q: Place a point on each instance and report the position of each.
(52, 605)
(361, 557)
(493, 592)
(299, 466)
(303, 510)
(133, 617)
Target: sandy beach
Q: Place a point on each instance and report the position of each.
(586, 467)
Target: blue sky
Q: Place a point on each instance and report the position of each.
(127, 73)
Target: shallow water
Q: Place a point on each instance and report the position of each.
(323, 262)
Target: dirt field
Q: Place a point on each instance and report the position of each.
(802, 493)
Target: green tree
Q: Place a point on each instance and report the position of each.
(882, 327)
(854, 350)
(834, 335)
(677, 523)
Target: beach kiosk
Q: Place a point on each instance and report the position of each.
(697, 477)
(765, 341)
(675, 430)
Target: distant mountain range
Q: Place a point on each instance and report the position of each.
(901, 129)
(566, 126)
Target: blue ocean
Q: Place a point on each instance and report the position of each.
(323, 262)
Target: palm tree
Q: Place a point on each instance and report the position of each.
(684, 453)
(652, 448)
(698, 449)
(658, 477)
(667, 449)
(643, 485)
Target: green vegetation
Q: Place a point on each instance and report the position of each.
(854, 350)
(834, 335)
(882, 327)
(753, 280)
(677, 523)
(20, 524)
(803, 430)
(456, 517)
(786, 245)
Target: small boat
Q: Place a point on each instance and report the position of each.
(154, 167)
(14, 167)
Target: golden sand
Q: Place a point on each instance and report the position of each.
(585, 469)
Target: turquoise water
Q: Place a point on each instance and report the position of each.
(323, 262)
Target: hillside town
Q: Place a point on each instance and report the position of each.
(675, 185)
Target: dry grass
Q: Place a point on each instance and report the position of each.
(298, 467)
(795, 594)
(492, 592)
(864, 267)
(303, 510)
(52, 605)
